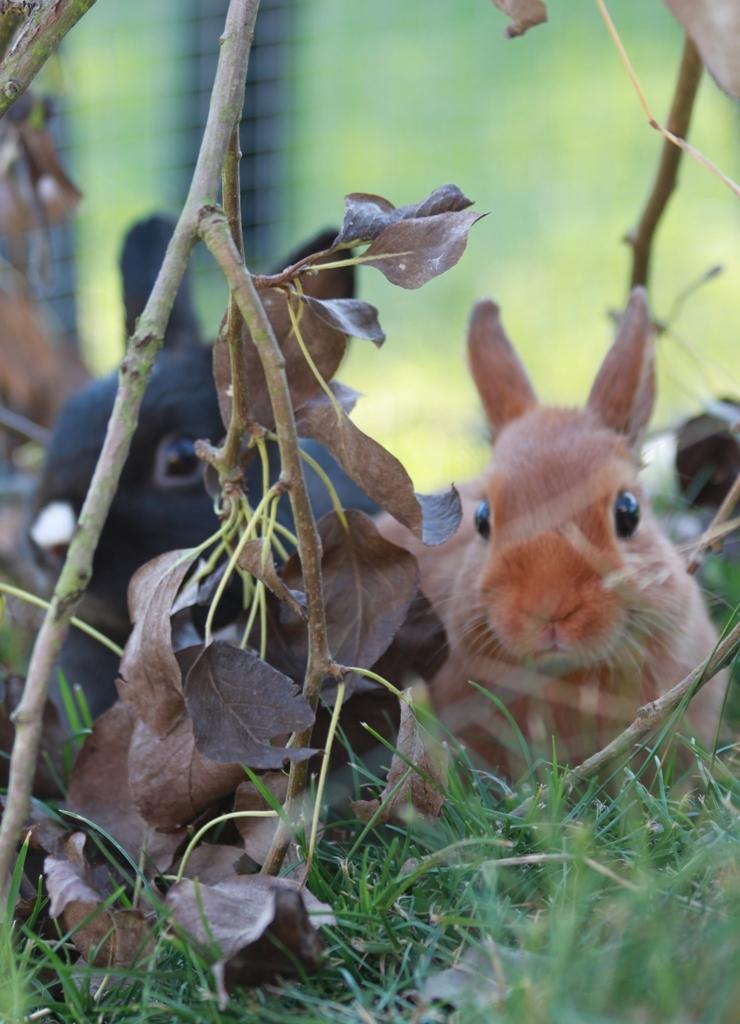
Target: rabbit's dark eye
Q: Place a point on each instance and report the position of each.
(177, 464)
(626, 514)
(483, 519)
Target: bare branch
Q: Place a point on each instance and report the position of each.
(651, 715)
(226, 102)
(676, 140)
(227, 460)
(215, 233)
(710, 535)
(47, 25)
(21, 425)
(679, 118)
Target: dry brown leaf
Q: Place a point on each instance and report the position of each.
(369, 584)
(171, 782)
(433, 518)
(35, 190)
(524, 14)
(238, 703)
(412, 252)
(256, 558)
(262, 926)
(99, 790)
(366, 215)
(708, 455)
(258, 833)
(324, 342)
(714, 26)
(150, 682)
(36, 376)
(352, 317)
(420, 646)
(212, 863)
(104, 937)
(421, 792)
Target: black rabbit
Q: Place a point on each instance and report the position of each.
(161, 503)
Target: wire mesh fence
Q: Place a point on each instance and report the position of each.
(544, 132)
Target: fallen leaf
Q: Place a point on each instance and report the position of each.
(524, 14)
(261, 925)
(171, 782)
(150, 682)
(106, 937)
(481, 978)
(421, 791)
(258, 833)
(99, 790)
(238, 703)
(212, 863)
(433, 518)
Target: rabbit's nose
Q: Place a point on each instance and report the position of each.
(52, 529)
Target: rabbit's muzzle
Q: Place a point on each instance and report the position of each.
(546, 602)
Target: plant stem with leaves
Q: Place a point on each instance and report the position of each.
(216, 235)
(226, 103)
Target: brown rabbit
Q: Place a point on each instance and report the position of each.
(559, 593)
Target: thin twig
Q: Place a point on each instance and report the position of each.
(22, 426)
(679, 118)
(651, 715)
(648, 717)
(45, 28)
(227, 459)
(709, 537)
(39, 602)
(671, 136)
(226, 102)
(290, 273)
(215, 233)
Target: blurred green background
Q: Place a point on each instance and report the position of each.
(544, 131)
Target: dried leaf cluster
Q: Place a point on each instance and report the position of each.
(211, 679)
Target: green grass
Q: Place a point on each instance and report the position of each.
(630, 915)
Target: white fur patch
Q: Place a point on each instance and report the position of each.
(54, 525)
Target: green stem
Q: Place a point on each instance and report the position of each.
(39, 602)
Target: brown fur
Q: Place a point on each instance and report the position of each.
(626, 619)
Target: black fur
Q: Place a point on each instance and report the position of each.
(147, 519)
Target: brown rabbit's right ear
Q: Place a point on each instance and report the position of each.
(623, 393)
(499, 376)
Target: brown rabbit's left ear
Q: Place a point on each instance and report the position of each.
(499, 376)
(623, 393)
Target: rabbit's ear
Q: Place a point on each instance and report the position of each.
(338, 283)
(141, 257)
(499, 376)
(623, 393)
